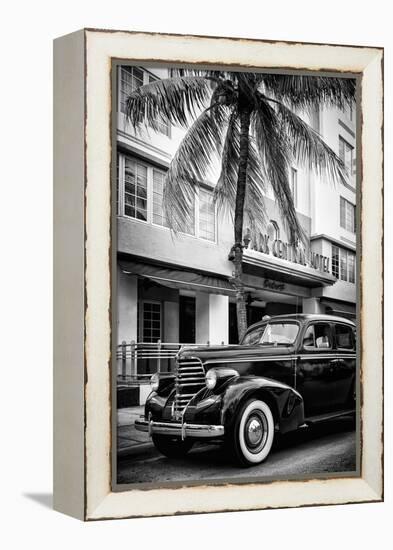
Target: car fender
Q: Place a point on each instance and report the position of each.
(285, 402)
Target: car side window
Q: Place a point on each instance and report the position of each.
(254, 337)
(344, 337)
(309, 337)
(318, 336)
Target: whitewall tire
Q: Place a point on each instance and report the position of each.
(253, 434)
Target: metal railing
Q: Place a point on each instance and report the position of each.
(137, 361)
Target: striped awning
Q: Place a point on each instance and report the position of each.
(178, 278)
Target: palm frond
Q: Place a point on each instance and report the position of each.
(214, 75)
(301, 91)
(225, 190)
(171, 101)
(255, 204)
(275, 156)
(308, 148)
(191, 165)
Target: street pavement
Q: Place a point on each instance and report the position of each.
(324, 449)
(129, 440)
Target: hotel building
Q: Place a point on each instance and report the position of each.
(176, 289)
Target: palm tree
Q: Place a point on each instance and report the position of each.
(249, 122)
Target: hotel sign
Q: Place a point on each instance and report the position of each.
(273, 285)
(296, 254)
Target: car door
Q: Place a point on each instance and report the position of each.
(345, 367)
(269, 360)
(315, 369)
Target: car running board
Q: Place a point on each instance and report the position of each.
(326, 416)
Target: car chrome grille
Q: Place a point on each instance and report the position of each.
(190, 379)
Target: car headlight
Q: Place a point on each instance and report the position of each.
(154, 382)
(211, 379)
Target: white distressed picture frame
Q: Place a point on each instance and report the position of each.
(82, 176)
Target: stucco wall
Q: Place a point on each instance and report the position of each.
(127, 303)
(149, 241)
(318, 204)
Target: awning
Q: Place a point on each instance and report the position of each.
(176, 278)
(278, 269)
(339, 308)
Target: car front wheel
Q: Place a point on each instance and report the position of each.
(172, 447)
(253, 433)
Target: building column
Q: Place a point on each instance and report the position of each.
(127, 307)
(171, 322)
(201, 318)
(212, 318)
(312, 305)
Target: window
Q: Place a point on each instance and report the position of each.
(346, 154)
(158, 194)
(140, 193)
(253, 338)
(309, 338)
(273, 230)
(189, 225)
(118, 209)
(158, 211)
(151, 322)
(163, 128)
(347, 215)
(207, 217)
(135, 189)
(351, 267)
(293, 184)
(343, 264)
(130, 79)
(335, 261)
(280, 333)
(349, 111)
(318, 336)
(344, 339)
(273, 333)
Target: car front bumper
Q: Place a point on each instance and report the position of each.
(179, 429)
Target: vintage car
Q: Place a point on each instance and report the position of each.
(288, 371)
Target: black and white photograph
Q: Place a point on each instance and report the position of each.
(236, 283)
(196, 299)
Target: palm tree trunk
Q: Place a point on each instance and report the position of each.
(237, 248)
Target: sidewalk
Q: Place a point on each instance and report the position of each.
(129, 440)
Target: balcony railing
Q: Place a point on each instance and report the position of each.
(137, 361)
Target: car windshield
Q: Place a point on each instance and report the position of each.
(272, 333)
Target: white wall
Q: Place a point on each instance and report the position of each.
(312, 305)
(218, 319)
(127, 304)
(326, 216)
(211, 318)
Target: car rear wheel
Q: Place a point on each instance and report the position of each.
(172, 447)
(253, 433)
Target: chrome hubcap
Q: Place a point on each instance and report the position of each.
(254, 431)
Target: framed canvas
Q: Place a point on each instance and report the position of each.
(218, 274)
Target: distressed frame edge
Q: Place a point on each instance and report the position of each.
(373, 486)
(69, 274)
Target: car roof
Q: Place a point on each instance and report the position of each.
(303, 317)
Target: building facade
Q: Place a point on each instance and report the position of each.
(176, 289)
